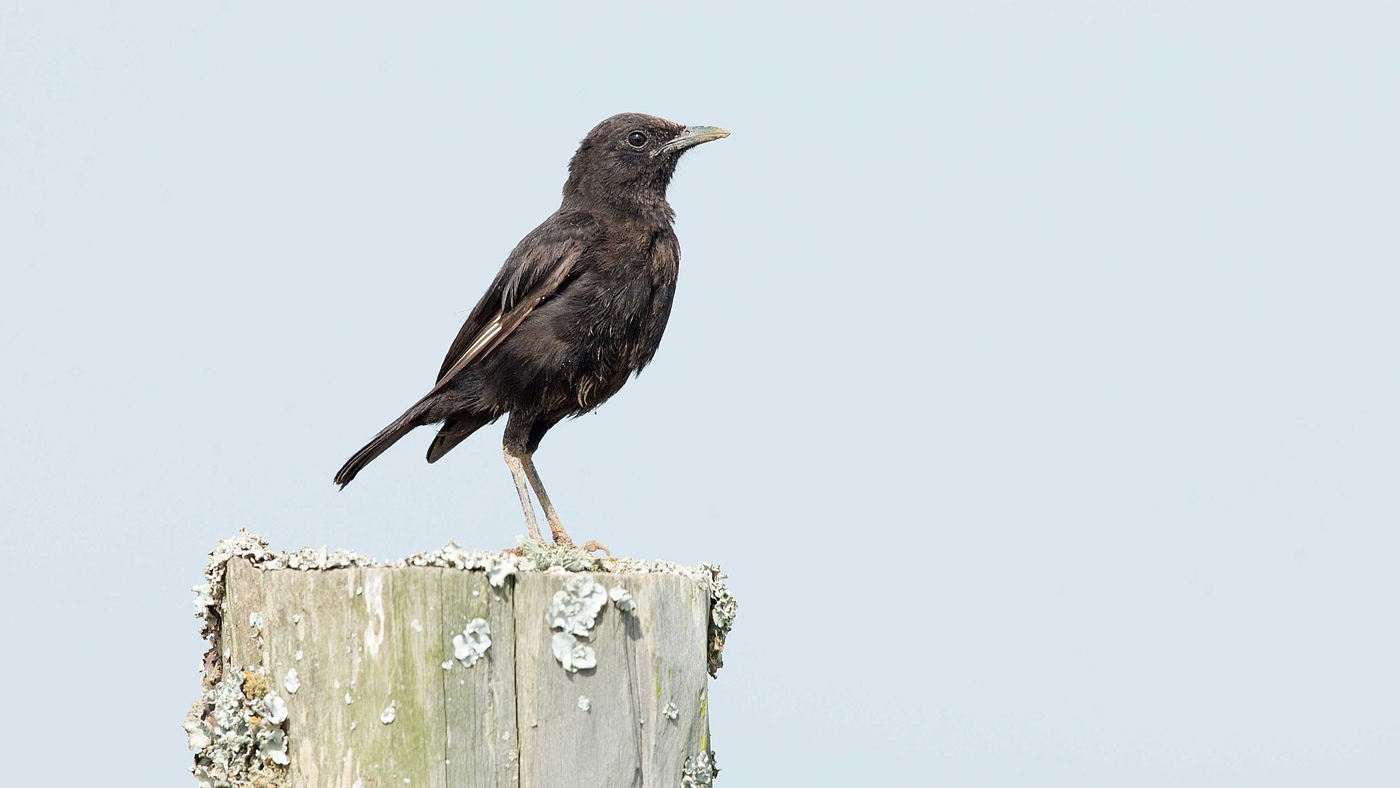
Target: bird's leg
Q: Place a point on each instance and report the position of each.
(518, 474)
(556, 528)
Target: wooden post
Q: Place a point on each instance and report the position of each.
(345, 673)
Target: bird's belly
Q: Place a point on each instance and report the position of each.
(616, 335)
(609, 333)
(573, 353)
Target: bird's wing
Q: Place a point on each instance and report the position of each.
(535, 270)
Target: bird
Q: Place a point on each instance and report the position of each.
(578, 307)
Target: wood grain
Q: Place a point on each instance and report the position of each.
(382, 635)
(647, 658)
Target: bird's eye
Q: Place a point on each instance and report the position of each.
(637, 139)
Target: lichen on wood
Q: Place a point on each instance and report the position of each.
(373, 675)
(700, 771)
(238, 731)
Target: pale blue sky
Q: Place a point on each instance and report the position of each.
(1033, 368)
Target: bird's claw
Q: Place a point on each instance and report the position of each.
(562, 539)
(592, 545)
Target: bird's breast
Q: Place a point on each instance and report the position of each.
(627, 301)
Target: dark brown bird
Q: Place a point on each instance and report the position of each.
(578, 306)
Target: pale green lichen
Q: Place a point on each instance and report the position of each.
(622, 599)
(472, 644)
(238, 733)
(573, 654)
(699, 771)
(572, 613)
(566, 557)
(723, 610)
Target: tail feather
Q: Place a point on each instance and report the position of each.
(453, 432)
(387, 437)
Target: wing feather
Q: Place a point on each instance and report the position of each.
(535, 270)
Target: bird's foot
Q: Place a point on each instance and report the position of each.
(561, 539)
(592, 545)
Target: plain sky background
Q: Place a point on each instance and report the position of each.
(1033, 369)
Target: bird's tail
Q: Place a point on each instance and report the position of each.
(454, 431)
(387, 437)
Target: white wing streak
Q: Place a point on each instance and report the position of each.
(503, 323)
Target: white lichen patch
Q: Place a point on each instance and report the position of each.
(203, 596)
(584, 704)
(416, 624)
(274, 708)
(198, 734)
(575, 607)
(572, 613)
(387, 716)
(291, 683)
(237, 731)
(671, 711)
(699, 771)
(498, 570)
(272, 745)
(621, 599)
(572, 653)
(472, 644)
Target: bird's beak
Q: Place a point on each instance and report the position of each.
(692, 136)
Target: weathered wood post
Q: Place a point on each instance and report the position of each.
(452, 668)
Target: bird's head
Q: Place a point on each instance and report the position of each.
(628, 160)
